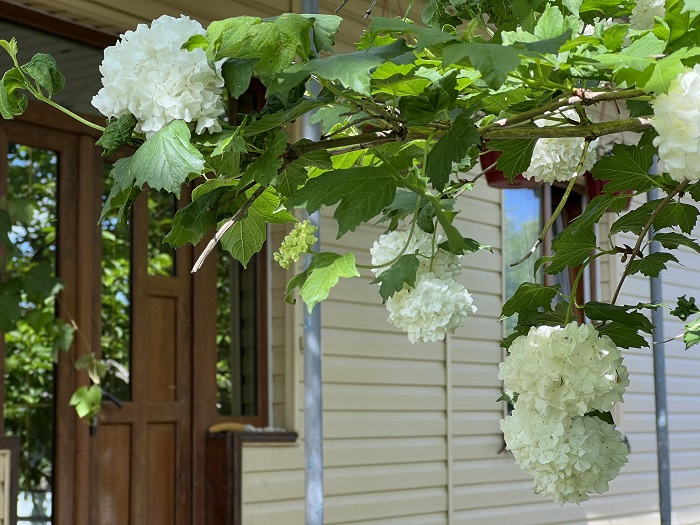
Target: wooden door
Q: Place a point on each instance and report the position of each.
(135, 467)
(141, 452)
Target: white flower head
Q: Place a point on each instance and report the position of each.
(389, 246)
(677, 121)
(569, 457)
(570, 369)
(431, 309)
(295, 243)
(644, 11)
(598, 26)
(148, 74)
(556, 159)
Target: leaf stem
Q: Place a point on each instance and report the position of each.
(68, 112)
(640, 239)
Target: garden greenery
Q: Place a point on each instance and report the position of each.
(403, 118)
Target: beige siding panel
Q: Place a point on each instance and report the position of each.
(342, 425)
(353, 509)
(384, 451)
(382, 397)
(378, 371)
(377, 345)
(422, 519)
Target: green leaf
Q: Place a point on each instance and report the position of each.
(550, 45)
(438, 97)
(196, 42)
(691, 334)
(237, 73)
(435, 14)
(325, 29)
(274, 42)
(493, 61)
(87, 401)
(401, 272)
(622, 314)
(452, 147)
(685, 308)
(627, 168)
(673, 214)
(297, 172)
(509, 396)
(195, 220)
(673, 240)
(623, 336)
(166, 160)
(516, 156)
(12, 103)
(652, 264)
(663, 73)
(529, 297)
(280, 118)
(362, 192)
(41, 283)
(351, 70)
(10, 46)
(426, 36)
(569, 250)
(62, 334)
(323, 273)
(264, 169)
(44, 70)
(550, 24)
(10, 309)
(117, 133)
(246, 237)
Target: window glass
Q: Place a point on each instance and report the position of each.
(116, 301)
(31, 202)
(161, 210)
(237, 342)
(522, 224)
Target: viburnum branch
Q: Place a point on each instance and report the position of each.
(558, 209)
(640, 239)
(580, 97)
(588, 131)
(225, 227)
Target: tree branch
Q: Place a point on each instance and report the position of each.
(637, 247)
(580, 97)
(588, 131)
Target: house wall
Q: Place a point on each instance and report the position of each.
(412, 435)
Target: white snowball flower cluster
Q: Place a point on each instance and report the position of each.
(437, 304)
(570, 369)
(556, 159)
(295, 243)
(569, 458)
(561, 374)
(389, 246)
(148, 74)
(434, 307)
(677, 121)
(644, 11)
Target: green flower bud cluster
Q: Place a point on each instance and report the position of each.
(297, 242)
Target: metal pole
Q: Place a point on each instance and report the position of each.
(313, 381)
(662, 445)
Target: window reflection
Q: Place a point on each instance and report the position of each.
(116, 301)
(161, 256)
(237, 388)
(522, 224)
(30, 211)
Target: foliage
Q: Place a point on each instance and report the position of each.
(405, 115)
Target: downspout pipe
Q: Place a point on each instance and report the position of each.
(658, 345)
(313, 379)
